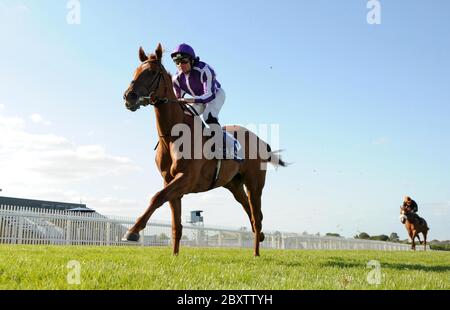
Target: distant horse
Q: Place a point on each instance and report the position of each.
(153, 84)
(414, 226)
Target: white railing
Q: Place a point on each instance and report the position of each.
(20, 225)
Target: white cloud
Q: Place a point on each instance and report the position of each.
(17, 8)
(21, 8)
(38, 119)
(112, 205)
(103, 205)
(2, 106)
(11, 123)
(120, 188)
(13, 12)
(48, 160)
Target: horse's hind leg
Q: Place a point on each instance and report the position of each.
(254, 192)
(418, 237)
(236, 187)
(177, 228)
(425, 240)
(255, 205)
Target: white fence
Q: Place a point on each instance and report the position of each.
(19, 225)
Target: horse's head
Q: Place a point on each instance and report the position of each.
(405, 212)
(146, 81)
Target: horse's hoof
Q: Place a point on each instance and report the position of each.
(129, 236)
(261, 237)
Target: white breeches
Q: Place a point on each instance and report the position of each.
(212, 107)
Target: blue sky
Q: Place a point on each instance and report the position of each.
(363, 109)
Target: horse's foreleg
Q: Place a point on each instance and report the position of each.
(177, 228)
(174, 190)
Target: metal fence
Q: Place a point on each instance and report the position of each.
(20, 225)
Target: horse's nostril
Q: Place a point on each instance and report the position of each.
(132, 97)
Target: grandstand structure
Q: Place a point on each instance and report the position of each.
(29, 221)
(44, 205)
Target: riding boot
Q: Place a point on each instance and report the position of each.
(212, 120)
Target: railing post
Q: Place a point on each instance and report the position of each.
(241, 244)
(20, 233)
(68, 232)
(219, 239)
(108, 233)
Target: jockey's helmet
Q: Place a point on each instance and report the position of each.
(183, 50)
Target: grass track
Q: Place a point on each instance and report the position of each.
(45, 267)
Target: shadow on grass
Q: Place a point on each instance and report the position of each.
(417, 267)
(397, 266)
(342, 263)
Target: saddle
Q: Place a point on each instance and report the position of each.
(231, 147)
(419, 220)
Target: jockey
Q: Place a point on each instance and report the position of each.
(197, 79)
(411, 204)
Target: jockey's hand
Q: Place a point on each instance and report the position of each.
(186, 100)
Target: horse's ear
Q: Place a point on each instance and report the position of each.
(159, 52)
(142, 56)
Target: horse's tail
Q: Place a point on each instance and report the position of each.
(275, 158)
(251, 141)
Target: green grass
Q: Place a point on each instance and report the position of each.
(45, 267)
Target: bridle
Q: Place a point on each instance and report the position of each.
(154, 100)
(408, 213)
(151, 98)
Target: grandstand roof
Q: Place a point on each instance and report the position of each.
(42, 204)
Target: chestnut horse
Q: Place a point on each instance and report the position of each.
(153, 84)
(414, 226)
